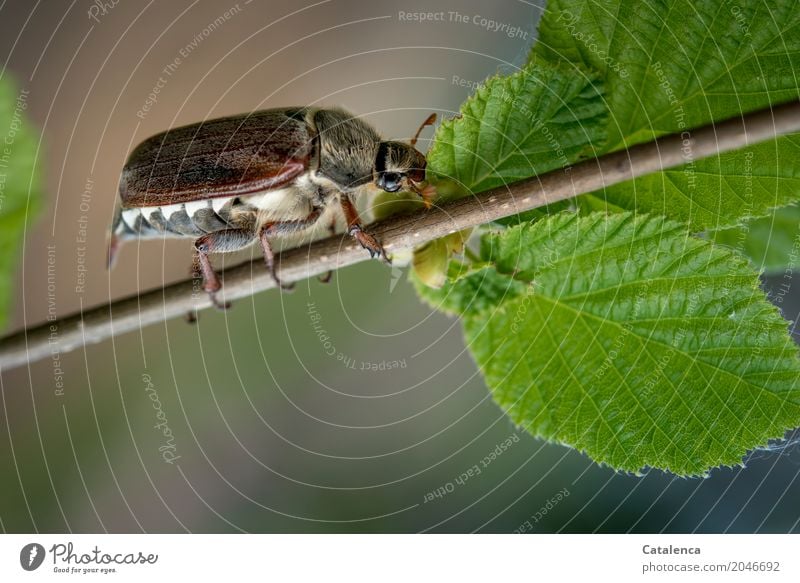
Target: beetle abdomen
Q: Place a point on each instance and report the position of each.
(191, 219)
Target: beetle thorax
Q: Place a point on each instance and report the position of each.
(347, 148)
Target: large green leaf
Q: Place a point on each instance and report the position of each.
(19, 183)
(629, 339)
(673, 65)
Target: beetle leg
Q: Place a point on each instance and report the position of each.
(217, 242)
(269, 259)
(282, 228)
(211, 284)
(354, 228)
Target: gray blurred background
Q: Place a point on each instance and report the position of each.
(270, 432)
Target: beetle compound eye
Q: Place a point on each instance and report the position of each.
(390, 181)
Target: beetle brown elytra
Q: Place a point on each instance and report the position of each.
(234, 181)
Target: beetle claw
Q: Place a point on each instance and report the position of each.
(222, 306)
(286, 287)
(370, 243)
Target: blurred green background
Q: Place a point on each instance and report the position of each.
(274, 429)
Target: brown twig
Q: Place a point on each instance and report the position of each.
(405, 231)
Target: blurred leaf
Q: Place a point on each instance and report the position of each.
(385, 204)
(19, 184)
(772, 243)
(629, 339)
(431, 260)
(473, 291)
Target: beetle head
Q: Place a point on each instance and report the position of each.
(399, 166)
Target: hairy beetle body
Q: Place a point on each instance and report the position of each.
(233, 181)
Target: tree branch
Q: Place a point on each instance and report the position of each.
(400, 232)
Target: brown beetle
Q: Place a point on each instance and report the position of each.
(232, 181)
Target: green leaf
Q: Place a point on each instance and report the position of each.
(772, 243)
(627, 338)
(720, 191)
(541, 118)
(673, 65)
(19, 183)
(669, 65)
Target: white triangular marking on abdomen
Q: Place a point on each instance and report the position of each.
(218, 203)
(167, 210)
(195, 205)
(130, 216)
